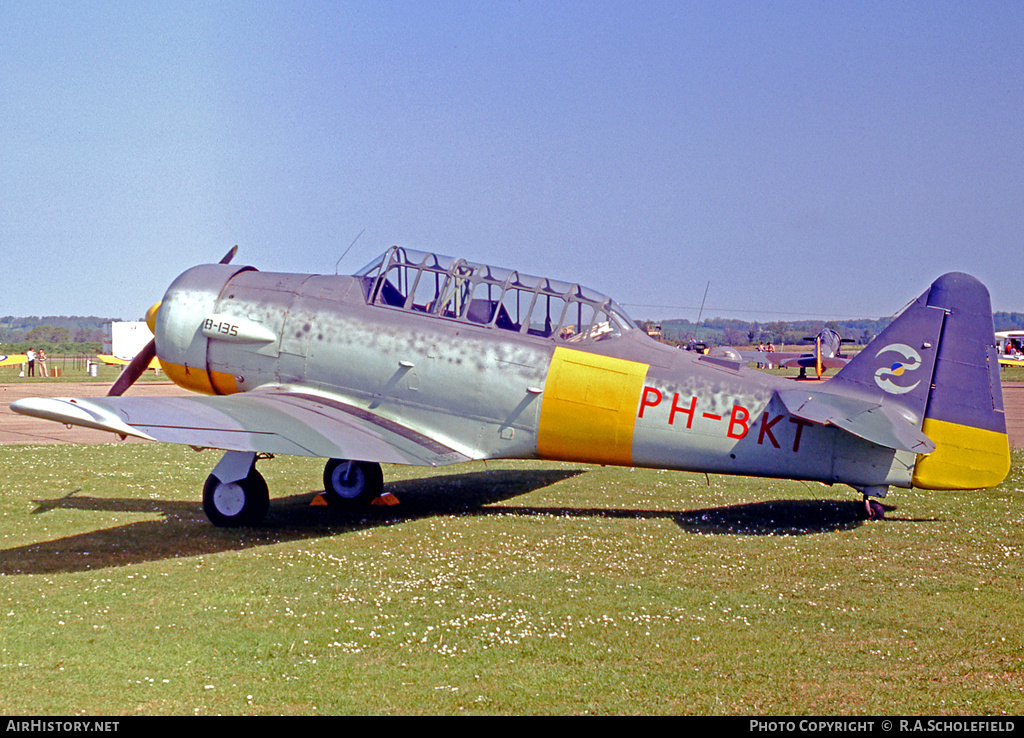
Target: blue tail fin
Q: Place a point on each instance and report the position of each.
(936, 365)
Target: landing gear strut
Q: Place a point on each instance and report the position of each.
(352, 482)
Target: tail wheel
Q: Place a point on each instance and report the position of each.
(874, 509)
(234, 504)
(352, 482)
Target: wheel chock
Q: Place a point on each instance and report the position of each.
(387, 499)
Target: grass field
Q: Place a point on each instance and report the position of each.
(528, 588)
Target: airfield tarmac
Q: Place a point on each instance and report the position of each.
(16, 428)
(22, 429)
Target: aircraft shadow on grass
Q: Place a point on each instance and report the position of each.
(183, 531)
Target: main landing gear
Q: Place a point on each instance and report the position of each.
(241, 502)
(352, 482)
(235, 494)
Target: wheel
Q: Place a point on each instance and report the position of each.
(875, 510)
(234, 504)
(352, 482)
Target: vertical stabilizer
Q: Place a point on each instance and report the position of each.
(965, 415)
(935, 366)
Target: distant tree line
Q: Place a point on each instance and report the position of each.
(1008, 321)
(55, 334)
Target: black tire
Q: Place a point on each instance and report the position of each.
(236, 504)
(875, 510)
(352, 483)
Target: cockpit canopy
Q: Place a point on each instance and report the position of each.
(456, 289)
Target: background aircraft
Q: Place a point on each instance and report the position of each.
(825, 355)
(429, 360)
(14, 359)
(154, 363)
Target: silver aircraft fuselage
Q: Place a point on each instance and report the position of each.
(618, 397)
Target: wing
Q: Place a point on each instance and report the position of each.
(808, 361)
(275, 419)
(791, 360)
(768, 357)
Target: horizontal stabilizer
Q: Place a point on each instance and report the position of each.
(863, 418)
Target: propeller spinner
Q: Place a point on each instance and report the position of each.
(141, 361)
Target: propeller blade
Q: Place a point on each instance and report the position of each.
(134, 370)
(230, 255)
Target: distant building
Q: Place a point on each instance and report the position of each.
(126, 339)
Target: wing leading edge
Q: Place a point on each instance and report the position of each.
(274, 419)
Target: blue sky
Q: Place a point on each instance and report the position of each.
(805, 159)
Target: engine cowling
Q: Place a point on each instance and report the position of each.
(182, 333)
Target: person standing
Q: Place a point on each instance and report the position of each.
(31, 356)
(42, 364)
